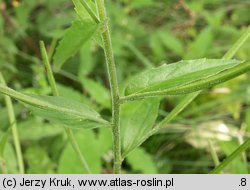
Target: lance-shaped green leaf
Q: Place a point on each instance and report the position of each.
(58, 109)
(137, 120)
(196, 85)
(177, 74)
(78, 34)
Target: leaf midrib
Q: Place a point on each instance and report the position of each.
(45, 105)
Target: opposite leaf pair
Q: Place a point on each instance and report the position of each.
(135, 125)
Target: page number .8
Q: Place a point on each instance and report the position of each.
(243, 182)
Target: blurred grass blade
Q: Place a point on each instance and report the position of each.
(171, 42)
(13, 126)
(186, 100)
(230, 158)
(213, 153)
(72, 114)
(230, 54)
(3, 140)
(139, 55)
(201, 45)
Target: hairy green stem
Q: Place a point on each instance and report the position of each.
(110, 62)
(55, 92)
(12, 120)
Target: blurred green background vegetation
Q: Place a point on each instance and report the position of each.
(145, 33)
